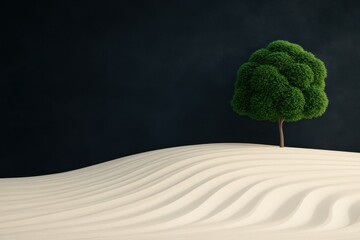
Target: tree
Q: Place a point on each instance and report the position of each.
(281, 82)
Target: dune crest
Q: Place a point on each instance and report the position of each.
(209, 191)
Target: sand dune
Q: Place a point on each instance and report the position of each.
(210, 191)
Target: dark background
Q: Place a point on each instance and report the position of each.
(87, 82)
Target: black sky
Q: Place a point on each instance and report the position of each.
(83, 82)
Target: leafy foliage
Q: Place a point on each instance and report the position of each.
(281, 81)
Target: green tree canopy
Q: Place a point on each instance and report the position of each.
(281, 82)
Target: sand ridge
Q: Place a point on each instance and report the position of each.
(207, 191)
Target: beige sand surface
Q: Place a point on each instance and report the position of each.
(213, 191)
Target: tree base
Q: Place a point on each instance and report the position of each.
(280, 124)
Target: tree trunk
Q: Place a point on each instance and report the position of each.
(280, 123)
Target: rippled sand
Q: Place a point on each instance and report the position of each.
(211, 191)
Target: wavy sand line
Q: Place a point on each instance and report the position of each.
(205, 190)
